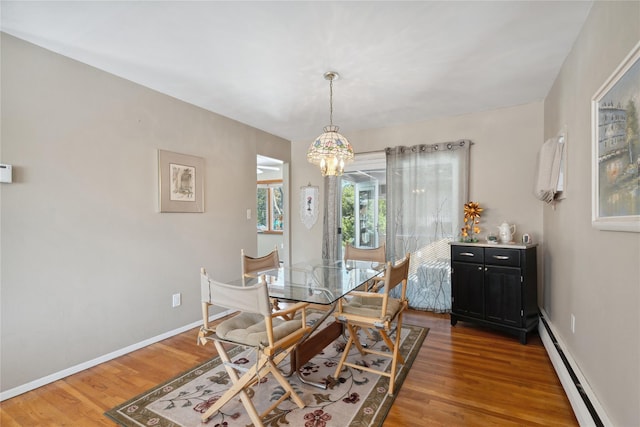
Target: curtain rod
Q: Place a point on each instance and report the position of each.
(437, 143)
(370, 152)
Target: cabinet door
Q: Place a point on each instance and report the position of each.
(467, 289)
(504, 295)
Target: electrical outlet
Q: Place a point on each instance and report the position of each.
(573, 324)
(177, 300)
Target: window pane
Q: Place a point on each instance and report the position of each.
(363, 213)
(278, 204)
(262, 209)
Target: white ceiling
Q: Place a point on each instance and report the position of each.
(262, 63)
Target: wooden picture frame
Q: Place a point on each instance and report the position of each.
(615, 111)
(181, 182)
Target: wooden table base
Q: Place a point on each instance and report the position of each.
(307, 349)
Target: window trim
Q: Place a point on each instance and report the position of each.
(270, 184)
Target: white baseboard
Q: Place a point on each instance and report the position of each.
(576, 398)
(8, 394)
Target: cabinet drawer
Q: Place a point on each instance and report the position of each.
(502, 256)
(467, 254)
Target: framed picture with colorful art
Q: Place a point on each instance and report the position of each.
(615, 110)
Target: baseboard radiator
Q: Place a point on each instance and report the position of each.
(585, 405)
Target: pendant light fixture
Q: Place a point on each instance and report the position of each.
(330, 150)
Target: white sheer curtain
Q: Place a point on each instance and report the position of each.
(427, 187)
(331, 244)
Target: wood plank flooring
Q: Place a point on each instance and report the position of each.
(463, 376)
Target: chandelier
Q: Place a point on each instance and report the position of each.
(330, 150)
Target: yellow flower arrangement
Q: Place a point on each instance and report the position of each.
(472, 211)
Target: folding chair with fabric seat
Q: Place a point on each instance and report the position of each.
(256, 326)
(253, 266)
(374, 255)
(376, 310)
(366, 254)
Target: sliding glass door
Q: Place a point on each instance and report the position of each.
(363, 207)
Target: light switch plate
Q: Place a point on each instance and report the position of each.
(6, 173)
(176, 300)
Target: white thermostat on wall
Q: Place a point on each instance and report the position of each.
(5, 173)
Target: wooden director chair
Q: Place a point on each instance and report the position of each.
(366, 254)
(255, 326)
(378, 255)
(253, 266)
(376, 310)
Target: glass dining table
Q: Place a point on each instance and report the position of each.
(321, 283)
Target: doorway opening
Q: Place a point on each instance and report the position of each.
(271, 205)
(363, 216)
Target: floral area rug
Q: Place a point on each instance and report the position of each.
(358, 399)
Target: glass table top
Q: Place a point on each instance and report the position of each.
(317, 282)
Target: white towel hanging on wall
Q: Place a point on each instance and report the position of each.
(549, 163)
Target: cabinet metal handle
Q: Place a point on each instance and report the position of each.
(500, 257)
(467, 254)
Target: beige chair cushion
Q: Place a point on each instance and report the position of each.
(249, 329)
(372, 307)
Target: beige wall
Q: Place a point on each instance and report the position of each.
(88, 264)
(594, 274)
(308, 242)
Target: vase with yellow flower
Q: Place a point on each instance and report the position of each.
(471, 229)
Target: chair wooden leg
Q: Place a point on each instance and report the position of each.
(202, 334)
(262, 367)
(391, 345)
(393, 353)
(204, 329)
(345, 353)
(286, 385)
(237, 388)
(353, 333)
(396, 357)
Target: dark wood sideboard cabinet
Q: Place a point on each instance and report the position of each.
(495, 286)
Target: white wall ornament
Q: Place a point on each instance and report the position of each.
(550, 178)
(309, 205)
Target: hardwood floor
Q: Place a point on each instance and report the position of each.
(463, 376)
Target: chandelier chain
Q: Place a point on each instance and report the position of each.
(331, 100)
(330, 150)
